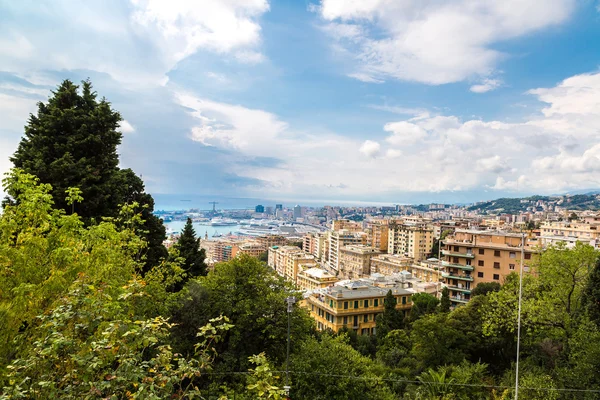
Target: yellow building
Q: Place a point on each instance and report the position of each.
(314, 278)
(377, 234)
(250, 248)
(355, 261)
(338, 240)
(411, 240)
(287, 261)
(472, 257)
(354, 306)
(389, 264)
(552, 232)
(346, 224)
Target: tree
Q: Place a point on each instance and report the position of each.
(423, 304)
(484, 288)
(591, 295)
(445, 301)
(391, 318)
(330, 368)
(189, 249)
(72, 143)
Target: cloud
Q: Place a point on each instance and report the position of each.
(404, 133)
(486, 86)
(136, 42)
(370, 148)
(493, 164)
(364, 77)
(430, 41)
(126, 127)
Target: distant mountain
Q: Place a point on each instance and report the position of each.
(588, 201)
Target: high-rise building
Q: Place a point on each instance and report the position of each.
(259, 208)
(278, 207)
(297, 211)
(377, 234)
(355, 261)
(339, 239)
(410, 239)
(472, 257)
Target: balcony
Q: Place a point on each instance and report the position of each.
(459, 289)
(455, 276)
(458, 300)
(455, 254)
(459, 266)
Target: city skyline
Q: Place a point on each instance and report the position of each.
(330, 102)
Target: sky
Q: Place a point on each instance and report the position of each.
(410, 101)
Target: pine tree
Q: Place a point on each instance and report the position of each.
(445, 301)
(189, 248)
(72, 143)
(391, 318)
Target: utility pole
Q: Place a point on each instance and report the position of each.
(519, 315)
(290, 307)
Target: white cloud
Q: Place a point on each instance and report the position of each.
(431, 41)
(485, 86)
(404, 133)
(370, 148)
(136, 43)
(126, 127)
(364, 77)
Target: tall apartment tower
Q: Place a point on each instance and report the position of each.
(413, 240)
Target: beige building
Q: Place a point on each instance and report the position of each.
(252, 249)
(389, 264)
(287, 261)
(552, 232)
(472, 257)
(355, 261)
(377, 234)
(314, 278)
(411, 240)
(339, 239)
(346, 224)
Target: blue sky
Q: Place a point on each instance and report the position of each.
(325, 101)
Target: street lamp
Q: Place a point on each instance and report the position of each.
(290, 307)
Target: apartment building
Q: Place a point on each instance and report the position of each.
(377, 234)
(354, 306)
(338, 240)
(314, 278)
(287, 261)
(252, 249)
(471, 257)
(389, 264)
(346, 224)
(410, 239)
(552, 232)
(355, 261)
(268, 241)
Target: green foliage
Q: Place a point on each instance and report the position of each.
(71, 144)
(423, 304)
(435, 342)
(253, 297)
(189, 249)
(262, 383)
(330, 368)
(591, 294)
(391, 318)
(445, 300)
(484, 288)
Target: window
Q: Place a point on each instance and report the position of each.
(482, 251)
(345, 305)
(345, 320)
(366, 303)
(496, 277)
(512, 254)
(403, 299)
(331, 303)
(496, 253)
(456, 248)
(528, 256)
(480, 274)
(355, 303)
(366, 319)
(480, 263)
(376, 302)
(355, 320)
(455, 260)
(497, 265)
(511, 266)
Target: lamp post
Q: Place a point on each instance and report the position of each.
(519, 316)
(290, 307)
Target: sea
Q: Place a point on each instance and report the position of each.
(202, 228)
